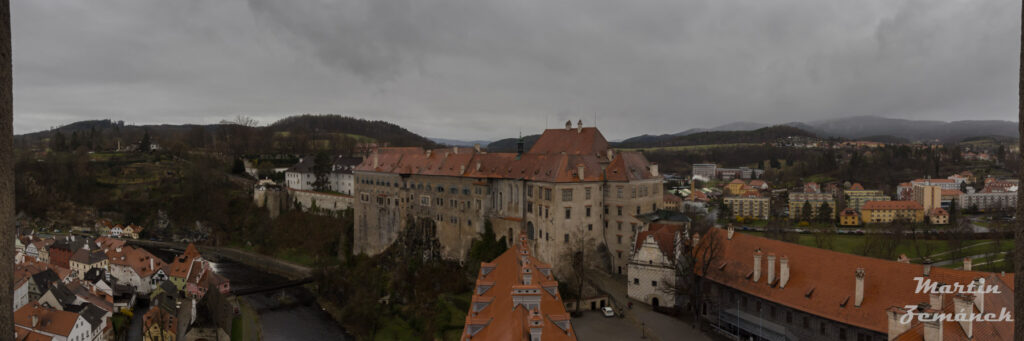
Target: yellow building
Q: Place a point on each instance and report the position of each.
(735, 187)
(889, 211)
(929, 197)
(856, 196)
(938, 216)
(749, 206)
(849, 217)
(817, 201)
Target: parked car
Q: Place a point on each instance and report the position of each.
(607, 312)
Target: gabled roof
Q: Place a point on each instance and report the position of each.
(856, 187)
(822, 282)
(493, 315)
(572, 141)
(49, 320)
(664, 235)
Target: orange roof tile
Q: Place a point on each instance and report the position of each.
(663, 234)
(493, 314)
(49, 320)
(892, 205)
(831, 276)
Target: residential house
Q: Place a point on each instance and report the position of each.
(137, 267)
(88, 258)
(849, 217)
(652, 266)
(52, 323)
(671, 202)
(749, 205)
(938, 216)
(995, 196)
(889, 211)
(516, 298)
(131, 231)
(817, 200)
(856, 196)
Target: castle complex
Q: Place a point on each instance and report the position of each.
(569, 185)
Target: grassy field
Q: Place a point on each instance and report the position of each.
(941, 249)
(695, 147)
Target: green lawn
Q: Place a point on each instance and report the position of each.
(854, 244)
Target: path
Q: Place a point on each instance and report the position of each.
(659, 326)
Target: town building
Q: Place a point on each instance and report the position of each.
(87, 258)
(849, 217)
(710, 171)
(706, 171)
(764, 289)
(302, 175)
(516, 298)
(136, 267)
(929, 197)
(813, 196)
(749, 205)
(995, 196)
(856, 196)
(652, 266)
(51, 324)
(938, 216)
(889, 211)
(569, 182)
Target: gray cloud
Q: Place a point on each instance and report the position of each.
(488, 68)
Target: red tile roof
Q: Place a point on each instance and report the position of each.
(585, 141)
(892, 205)
(829, 277)
(493, 314)
(663, 234)
(856, 187)
(51, 321)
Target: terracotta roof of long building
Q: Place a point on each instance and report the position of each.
(892, 205)
(558, 156)
(49, 320)
(822, 282)
(493, 315)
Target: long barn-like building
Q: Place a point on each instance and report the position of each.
(569, 184)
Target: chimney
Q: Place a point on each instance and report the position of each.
(35, 320)
(376, 160)
(462, 169)
(654, 169)
(979, 294)
(935, 298)
(152, 265)
(896, 327)
(783, 271)
(927, 266)
(476, 147)
(568, 125)
(858, 295)
(118, 249)
(967, 263)
(478, 166)
(455, 150)
(964, 304)
(932, 326)
(579, 126)
(428, 152)
(611, 154)
(771, 268)
(579, 171)
(757, 265)
(729, 232)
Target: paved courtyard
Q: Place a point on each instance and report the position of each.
(593, 326)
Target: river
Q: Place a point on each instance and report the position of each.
(287, 314)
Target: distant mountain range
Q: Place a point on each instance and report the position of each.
(871, 128)
(760, 135)
(459, 143)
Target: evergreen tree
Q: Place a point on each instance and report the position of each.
(57, 142)
(805, 211)
(321, 170)
(144, 143)
(825, 212)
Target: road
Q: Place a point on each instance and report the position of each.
(659, 326)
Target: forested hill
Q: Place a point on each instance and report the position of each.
(294, 135)
(767, 134)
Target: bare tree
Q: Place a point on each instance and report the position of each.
(697, 262)
(245, 121)
(580, 261)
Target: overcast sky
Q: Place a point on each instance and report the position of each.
(484, 69)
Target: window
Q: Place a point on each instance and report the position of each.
(590, 227)
(588, 211)
(618, 190)
(566, 237)
(620, 226)
(632, 192)
(821, 328)
(567, 194)
(586, 193)
(547, 194)
(620, 210)
(807, 322)
(529, 206)
(842, 333)
(568, 213)
(636, 281)
(529, 191)
(619, 238)
(638, 210)
(605, 209)
(771, 310)
(654, 283)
